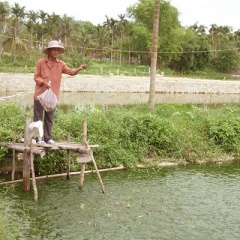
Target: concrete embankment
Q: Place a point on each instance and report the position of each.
(124, 84)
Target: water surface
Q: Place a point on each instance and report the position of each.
(114, 98)
(188, 202)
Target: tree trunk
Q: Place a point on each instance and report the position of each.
(154, 55)
(112, 49)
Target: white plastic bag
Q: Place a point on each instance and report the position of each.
(36, 129)
(48, 99)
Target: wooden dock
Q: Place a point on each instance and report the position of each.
(27, 151)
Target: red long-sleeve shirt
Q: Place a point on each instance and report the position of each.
(50, 71)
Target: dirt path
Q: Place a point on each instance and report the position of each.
(91, 83)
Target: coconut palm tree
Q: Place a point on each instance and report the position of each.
(31, 22)
(66, 28)
(52, 27)
(4, 13)
(101, 35)
(111, 25)
(42, 27)
(14, 29)
(121, 26)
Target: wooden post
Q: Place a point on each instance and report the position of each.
(26, 160)
(68, 157)
(98, 174)
(84, 141)
(33, 173)
(14, 158)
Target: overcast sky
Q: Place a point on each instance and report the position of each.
(203, 12)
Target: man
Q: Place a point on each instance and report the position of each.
(48, 74)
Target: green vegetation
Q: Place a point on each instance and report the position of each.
(131, 135)
(7, 227)
(105, 69)
(3, 230)
(123, 42)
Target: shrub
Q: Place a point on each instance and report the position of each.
(130, 134)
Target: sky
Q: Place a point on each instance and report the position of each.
(203, 12)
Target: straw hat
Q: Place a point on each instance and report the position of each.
(54, 44)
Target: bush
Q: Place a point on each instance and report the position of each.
(226, 134)
(226, 60)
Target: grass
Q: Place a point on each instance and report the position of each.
(132, 135)
(105, 68)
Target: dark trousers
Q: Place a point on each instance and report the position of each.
(38, 112)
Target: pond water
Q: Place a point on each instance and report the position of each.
(184, 202)
(111, 98)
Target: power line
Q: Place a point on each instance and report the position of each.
(135, 51)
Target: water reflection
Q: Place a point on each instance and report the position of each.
(112, 98)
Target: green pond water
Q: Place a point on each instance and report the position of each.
(187, 202)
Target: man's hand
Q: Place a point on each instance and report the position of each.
(83, 66)
(47, 84)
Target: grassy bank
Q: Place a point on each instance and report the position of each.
(131, 135)
(104, 68)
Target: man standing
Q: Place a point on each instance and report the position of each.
(48, 74)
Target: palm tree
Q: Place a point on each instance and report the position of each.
(212, 32)
(111, 24)
(66, 28)
(53, 27)
(4, 12)
(31, 22)
(201, 29)
(101, 36)
(42, 27)
(154, 55)
(121, 26)
(18, 14)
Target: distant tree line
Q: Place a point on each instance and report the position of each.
(128, 38)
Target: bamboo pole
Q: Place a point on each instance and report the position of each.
(64, 174)
(82, 175)
(33, 174)
(26, 161)
(84, 140)
(68, 157)
(98, 174)
(36, 151)
(14, 158)
(39, 152)
(91, 154)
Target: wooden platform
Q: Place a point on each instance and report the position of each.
(74, 146)
(28, 149)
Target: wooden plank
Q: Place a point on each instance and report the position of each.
(70, 147)
(44, 145)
